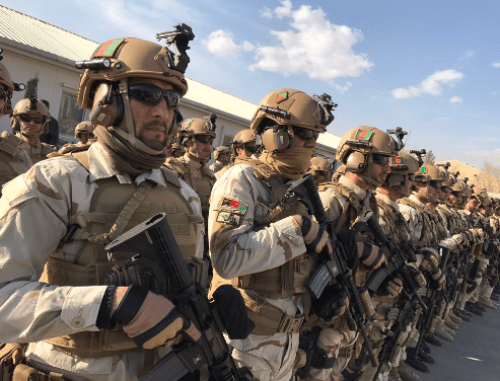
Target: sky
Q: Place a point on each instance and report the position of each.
(430, 67)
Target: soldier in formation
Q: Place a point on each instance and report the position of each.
(346, 277)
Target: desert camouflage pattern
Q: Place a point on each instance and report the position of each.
(13, 159)
(54, 194)
(37, 152)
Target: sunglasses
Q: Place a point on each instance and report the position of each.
(152, 95)
(251, 149)
(204, 139)
(305, 134)
(4, 93)
(435, 184)
(381, 159)
(26, 119)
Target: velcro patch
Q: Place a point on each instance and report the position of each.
(234, 206)
(229, 218)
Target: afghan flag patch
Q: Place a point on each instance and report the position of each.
(234, 206)
(364, 135)
(282, 96)
(229, 218)
(482, 195)
(399, 160)
(422, 170)
(108, 48)
(187, 123)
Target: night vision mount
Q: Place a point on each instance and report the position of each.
(399, 134)
(420, 154)
(179, 38)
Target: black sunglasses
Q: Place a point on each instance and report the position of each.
(305, 134)
(204, 139)
(26, 119)
(381, 159)
(4, 93)
(152, 94)
(435, 184)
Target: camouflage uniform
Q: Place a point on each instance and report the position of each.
(13, 159)
(58, 193)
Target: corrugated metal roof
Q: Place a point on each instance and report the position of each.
(38, 34)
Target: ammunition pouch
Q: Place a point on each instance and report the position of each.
(11, 356)
(24, 372)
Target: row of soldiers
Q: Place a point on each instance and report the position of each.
(350, 278)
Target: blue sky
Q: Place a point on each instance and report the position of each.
(431, 67)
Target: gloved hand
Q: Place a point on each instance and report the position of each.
(438, 279)
(371, 256)
(315, 237)
(233, 312)
(393, 288)
(430, 261)
(332, 302)
(150, 320)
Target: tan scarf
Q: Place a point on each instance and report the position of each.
(291, 164)
(124, 156)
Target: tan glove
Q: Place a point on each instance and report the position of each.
(372, 257)
(150, 320)
(315, 237)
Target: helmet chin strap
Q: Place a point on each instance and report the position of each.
(129, 123)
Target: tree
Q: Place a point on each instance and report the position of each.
(430, 158)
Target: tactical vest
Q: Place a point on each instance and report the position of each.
(202, 186)
(396, 226)
(90, 264)
(39, 154)
(452, 219)
(8, 146)
(429, 232)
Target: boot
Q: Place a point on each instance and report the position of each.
(466, 313)
(431, 339)
(473, 310)
(495, 297)
(450, 324)
(479, 307)
(424, 356)
(461, 315)
(486, 302)
(416, 363)
(442, 333)
(455, 318)
(394, 375)
(406, 374)
(425, 347)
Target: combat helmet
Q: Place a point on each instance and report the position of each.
(9, 86)
(221, 150)
(403, 168)
(282, 110)
(321, 166)
(83, 127)
(244, 139)
(197, 129)
(359, 145)
(482, 196)
(105, 82)
(34, 108)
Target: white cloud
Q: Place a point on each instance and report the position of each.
(432, 85)
(221, 43)
(455, 100)
(496, 65)
(266, 13)
(312, 46)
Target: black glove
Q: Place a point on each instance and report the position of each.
(331, 303)
(347, 239)
(233, 312)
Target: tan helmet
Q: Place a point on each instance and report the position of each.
(402, 165)
(321, 166)
(104, 83)
(429, 172)
(8, 85)
(482, 196)
(221, 150)
(357, 147)
(85, 126)
(198, 126)
(242, 138)
(32, 107)
(287, 108)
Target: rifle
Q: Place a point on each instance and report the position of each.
(397, 260)
(332, 266)
(397, 327)
(154, 242)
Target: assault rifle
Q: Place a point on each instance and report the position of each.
(154, 242)
(398, 259)
(332, 266)
(397, 327)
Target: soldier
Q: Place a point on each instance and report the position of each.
(221, 156)
(365, 152)
(30, 119)
(84, 131)
(55, 292)
(13, 159)
(321, 169)
(197, 136)
(261, 248)
(244, 144)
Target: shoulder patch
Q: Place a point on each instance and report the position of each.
(229, 218)
(233, 206)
